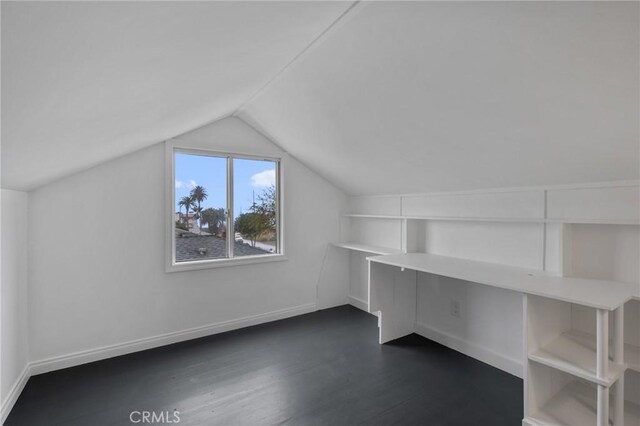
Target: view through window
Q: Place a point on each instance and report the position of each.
(211, 189)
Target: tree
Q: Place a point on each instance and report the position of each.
(198, 195)
(262, 218)
(186, 202)
(267, 206)
(252, 225)
(214, 218)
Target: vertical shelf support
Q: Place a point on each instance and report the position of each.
(618, 358)
(602, 338)
(602, 360)
(603, 406)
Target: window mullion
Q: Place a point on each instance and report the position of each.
(231, 235)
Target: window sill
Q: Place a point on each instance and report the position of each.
(223, 263)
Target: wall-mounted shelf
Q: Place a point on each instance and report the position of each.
(575, 354)
(373, 216)
(498, 219)
(367, 248)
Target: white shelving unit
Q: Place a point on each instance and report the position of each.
(550, 340)
(556, 352)
(575, 370)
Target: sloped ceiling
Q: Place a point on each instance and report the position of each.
(84, 82)
(419, 97)
(396, 97)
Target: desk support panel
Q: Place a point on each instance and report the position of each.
(392, 294)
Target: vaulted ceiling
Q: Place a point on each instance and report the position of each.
(394, 97)
(85, 82)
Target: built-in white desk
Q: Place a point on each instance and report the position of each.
(554, 354)
(599, 294)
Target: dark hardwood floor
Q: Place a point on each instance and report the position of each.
(324, 368)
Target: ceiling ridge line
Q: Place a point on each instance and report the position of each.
(295, 58)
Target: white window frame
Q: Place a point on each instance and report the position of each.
(171, 147)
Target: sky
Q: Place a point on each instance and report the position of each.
(249, 176)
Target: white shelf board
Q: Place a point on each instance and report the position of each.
(367, 248)
(576, 355)
(598, 294)
(631, 352)
(498, 219)
(373, 216)
(575, 404)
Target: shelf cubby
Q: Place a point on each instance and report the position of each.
(575, 404)
(575, 353)
(632, 356)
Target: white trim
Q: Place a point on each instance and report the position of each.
(14, 392)
(222, 263)
(91, 355)
(359, 303)
(502, 362)
(231, 228)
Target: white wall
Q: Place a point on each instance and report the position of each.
(98, 279)
(13, 295)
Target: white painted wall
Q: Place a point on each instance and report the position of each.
(14, 343)
(97, 278)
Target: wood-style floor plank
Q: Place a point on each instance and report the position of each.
(324, 368)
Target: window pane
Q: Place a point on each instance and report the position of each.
(255, 207)
(200, 205)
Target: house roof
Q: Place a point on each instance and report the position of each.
(211, 247)
(377, 97)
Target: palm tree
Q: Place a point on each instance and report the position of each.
(186, 202)
(198, 195)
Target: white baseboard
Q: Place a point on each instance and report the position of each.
(359, 303)
(510, 365)
(91, 355)
(14, 393)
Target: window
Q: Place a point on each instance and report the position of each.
(225, 209)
